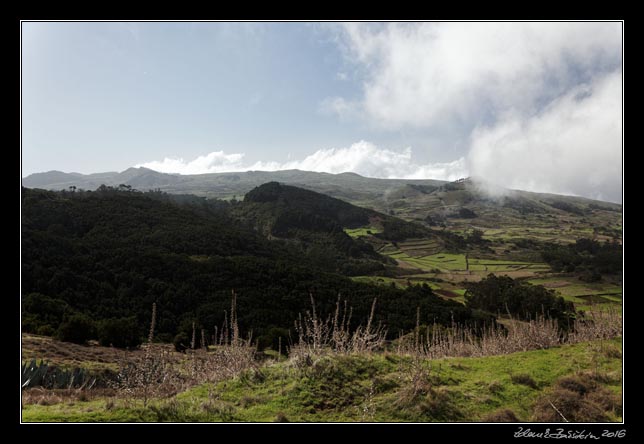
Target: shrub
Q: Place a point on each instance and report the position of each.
(503, 415)
(281, 417)
(45, 330)
(272, 339)
(181, 342)
(524, 379)
(577, 399)
(121, 333)
(495, 387)
(77, 328)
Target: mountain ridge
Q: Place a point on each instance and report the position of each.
(213, 184)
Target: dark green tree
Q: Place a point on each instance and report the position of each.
(120, 332)
(77, 328)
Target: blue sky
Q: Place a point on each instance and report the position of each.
(525, 105)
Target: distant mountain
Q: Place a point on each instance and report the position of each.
(346, 186)
(432, 202)
(135, 177)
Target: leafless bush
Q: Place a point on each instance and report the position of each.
(225, 361)
(158, 373)
(149, 376)
(333, 335)
(231, 357)
(604, 324)
(417, 381)
(540, 333)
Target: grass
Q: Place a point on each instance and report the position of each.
(68, 355)
(545, 233)
(585, 295)
(369, 387)
(362, 231)
(448, 262)
(88, 411)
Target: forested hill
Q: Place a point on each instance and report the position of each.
(281, 196)
(112, 253)
(316, 223)
(300, 208)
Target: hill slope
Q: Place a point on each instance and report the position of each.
(457, 205)
(111, 254)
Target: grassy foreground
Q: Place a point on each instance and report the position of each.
(583, 380)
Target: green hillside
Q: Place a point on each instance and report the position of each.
(110, 254)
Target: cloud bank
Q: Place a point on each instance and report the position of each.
(362, 157)
(432, 74)
(572, 147)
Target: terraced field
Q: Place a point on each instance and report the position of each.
(446, 263)
(561, 234)
(362, 231)
(425, 261)
(602, 295)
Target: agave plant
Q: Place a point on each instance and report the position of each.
(35, 374)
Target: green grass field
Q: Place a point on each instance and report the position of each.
(362, 231)
(372, 387)
(447, 262)
(585, 295)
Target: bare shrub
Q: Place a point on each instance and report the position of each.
(539, 333)
(417, 383)
(223, 362)
(333, 335)
(598, 324)
(159, 373)
(149, 375)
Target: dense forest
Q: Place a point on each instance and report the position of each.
(103, 258)
(518, 299)
(590, 258)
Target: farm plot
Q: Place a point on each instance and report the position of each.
(362, 231)
(584, 295)
(447, 262)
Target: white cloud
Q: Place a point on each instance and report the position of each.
(339, 106)
(572, 147)
(215, 162)
(362, 157)
(539, 102)
(433, 74)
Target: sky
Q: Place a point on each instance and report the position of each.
(532, 106)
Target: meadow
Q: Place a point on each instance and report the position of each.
(370, 387)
